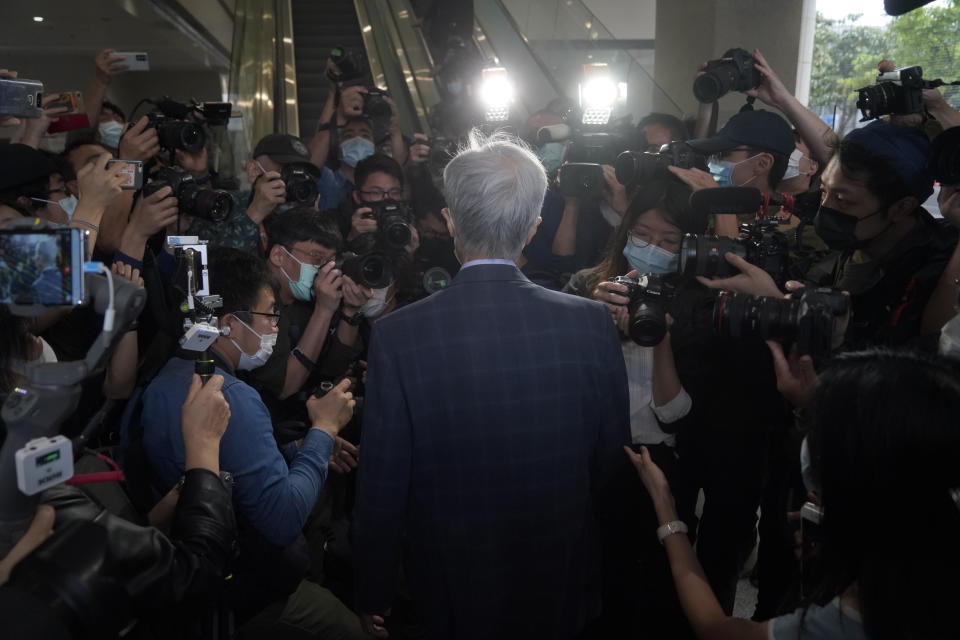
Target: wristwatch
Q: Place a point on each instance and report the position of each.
(354, 320)
(669, 529)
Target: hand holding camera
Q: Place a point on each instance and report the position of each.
(752, 280)
(352, 101)
(771, 90)
(196, 162)
(332, 411)
(153, 213)
(354, 296)
(326, 287)
(613, 192)
(362, 221)
(140, 142)
(796, 377)
(269, 191)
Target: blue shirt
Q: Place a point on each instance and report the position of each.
(829, 622)
(273, 496)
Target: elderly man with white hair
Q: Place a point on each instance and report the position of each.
(495, 412)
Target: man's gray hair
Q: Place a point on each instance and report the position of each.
(494, 190)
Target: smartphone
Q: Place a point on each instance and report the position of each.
(20, 98)
(74, 118)
(135, 60)
(42, 267)
(134, 172)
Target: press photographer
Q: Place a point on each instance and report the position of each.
(274, 490)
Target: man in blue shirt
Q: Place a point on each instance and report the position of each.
(274, 490)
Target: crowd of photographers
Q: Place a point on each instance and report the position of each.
(742, 268)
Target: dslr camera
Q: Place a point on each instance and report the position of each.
(582, 176)
(349, 66)
(193, 200)
(809, 321)
(759, 244)
(301, 181)
(393, 223)
(371, 270)
(897, 92)
(177, 134)
(641, 167)
(375, 106)
(649, 297)
(735, 71)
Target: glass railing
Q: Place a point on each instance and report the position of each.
(399, 59)
(561, 36)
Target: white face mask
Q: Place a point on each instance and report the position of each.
(249, 362)
(950, 338)
(376, 304)
(68, 204)
(110, 133)
(793, 165)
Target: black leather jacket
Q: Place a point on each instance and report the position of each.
(98, 572)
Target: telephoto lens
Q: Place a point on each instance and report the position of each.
(759, 243)
(641, 167)
(812, 319)
(371, 270)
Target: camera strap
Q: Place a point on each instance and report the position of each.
(333, 157)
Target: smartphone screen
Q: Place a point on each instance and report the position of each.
(133, 170)
(42, 268)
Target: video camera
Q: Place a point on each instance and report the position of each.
(735, 71)
(759, 244)
(393, 223)
(810, 321)
(649, 297)
(214, 205)
(641, 167)
(897, 92)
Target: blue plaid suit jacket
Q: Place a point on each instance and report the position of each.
(495, 409)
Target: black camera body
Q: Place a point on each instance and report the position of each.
(897, 92)
(649, 296)
(349, 65)
(177, 134)
(214, 205)
(641, 167)
(808, 321)
(301, 181)
(945, 157)
(375, 106)
(735, 71)
(371, 270)
(393, 223)
(582, 180)
(759, 244)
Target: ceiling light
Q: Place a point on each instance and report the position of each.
(38, 18)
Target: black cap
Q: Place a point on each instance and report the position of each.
(20, 164)
(282, 148)
(900, 7)
(755, 129)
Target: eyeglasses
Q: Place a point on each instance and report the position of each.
(274, 317)
(317, 258)
(375, 195)
(638, 241)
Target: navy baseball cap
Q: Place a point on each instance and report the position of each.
(906, 151)
(760, 129)
(282, 149)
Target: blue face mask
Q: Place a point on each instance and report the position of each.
(354, 150)
(110, 133)
(551, 156)
(649, 258)
(68, 204)
(722, 171)
(302, 287)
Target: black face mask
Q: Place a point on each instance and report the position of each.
(838, 229)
